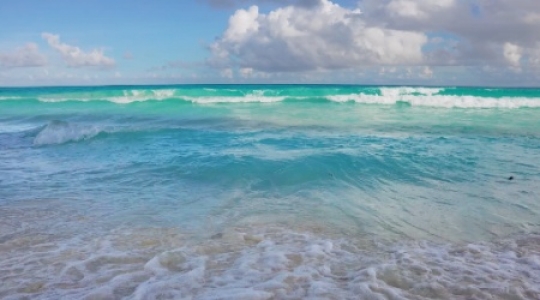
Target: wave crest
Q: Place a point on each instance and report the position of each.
(121, 97)
(415, 96)
(442, 101)
(60, 132)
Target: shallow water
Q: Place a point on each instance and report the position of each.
(269, 192)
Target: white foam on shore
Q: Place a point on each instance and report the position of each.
(264, 263)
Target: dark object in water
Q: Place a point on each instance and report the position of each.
(511, 178)
(217, 236)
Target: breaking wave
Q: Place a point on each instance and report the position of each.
(414, 96)
(442, 101)
(121, 97)
(60, 132)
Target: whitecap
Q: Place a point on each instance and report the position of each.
(442, 101)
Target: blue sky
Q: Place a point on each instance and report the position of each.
(61, 42)
(139, 35)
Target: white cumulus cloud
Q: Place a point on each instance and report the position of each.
(302, 38)
(26, 56)
(227, 73)
(420, 9)
(512, 53)
(477, 32)
(75, 57)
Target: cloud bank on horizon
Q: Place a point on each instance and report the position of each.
(371, 41)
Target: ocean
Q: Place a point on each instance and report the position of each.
(269, 192)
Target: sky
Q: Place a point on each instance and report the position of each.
(421, 42)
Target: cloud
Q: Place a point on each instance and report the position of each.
(326, 36)
(128, 55)
(26, 56)
(227, 73)
(246, 72)
(513, 54)
(74, 57)
(417, 9)
(481, 30)
(236, 3)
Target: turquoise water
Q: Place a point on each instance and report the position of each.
(269, 192)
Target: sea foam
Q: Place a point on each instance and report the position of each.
(244, 99)
(415, 96)
(442, 101)
(268, 263)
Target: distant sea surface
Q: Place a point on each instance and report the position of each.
(269, 192)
